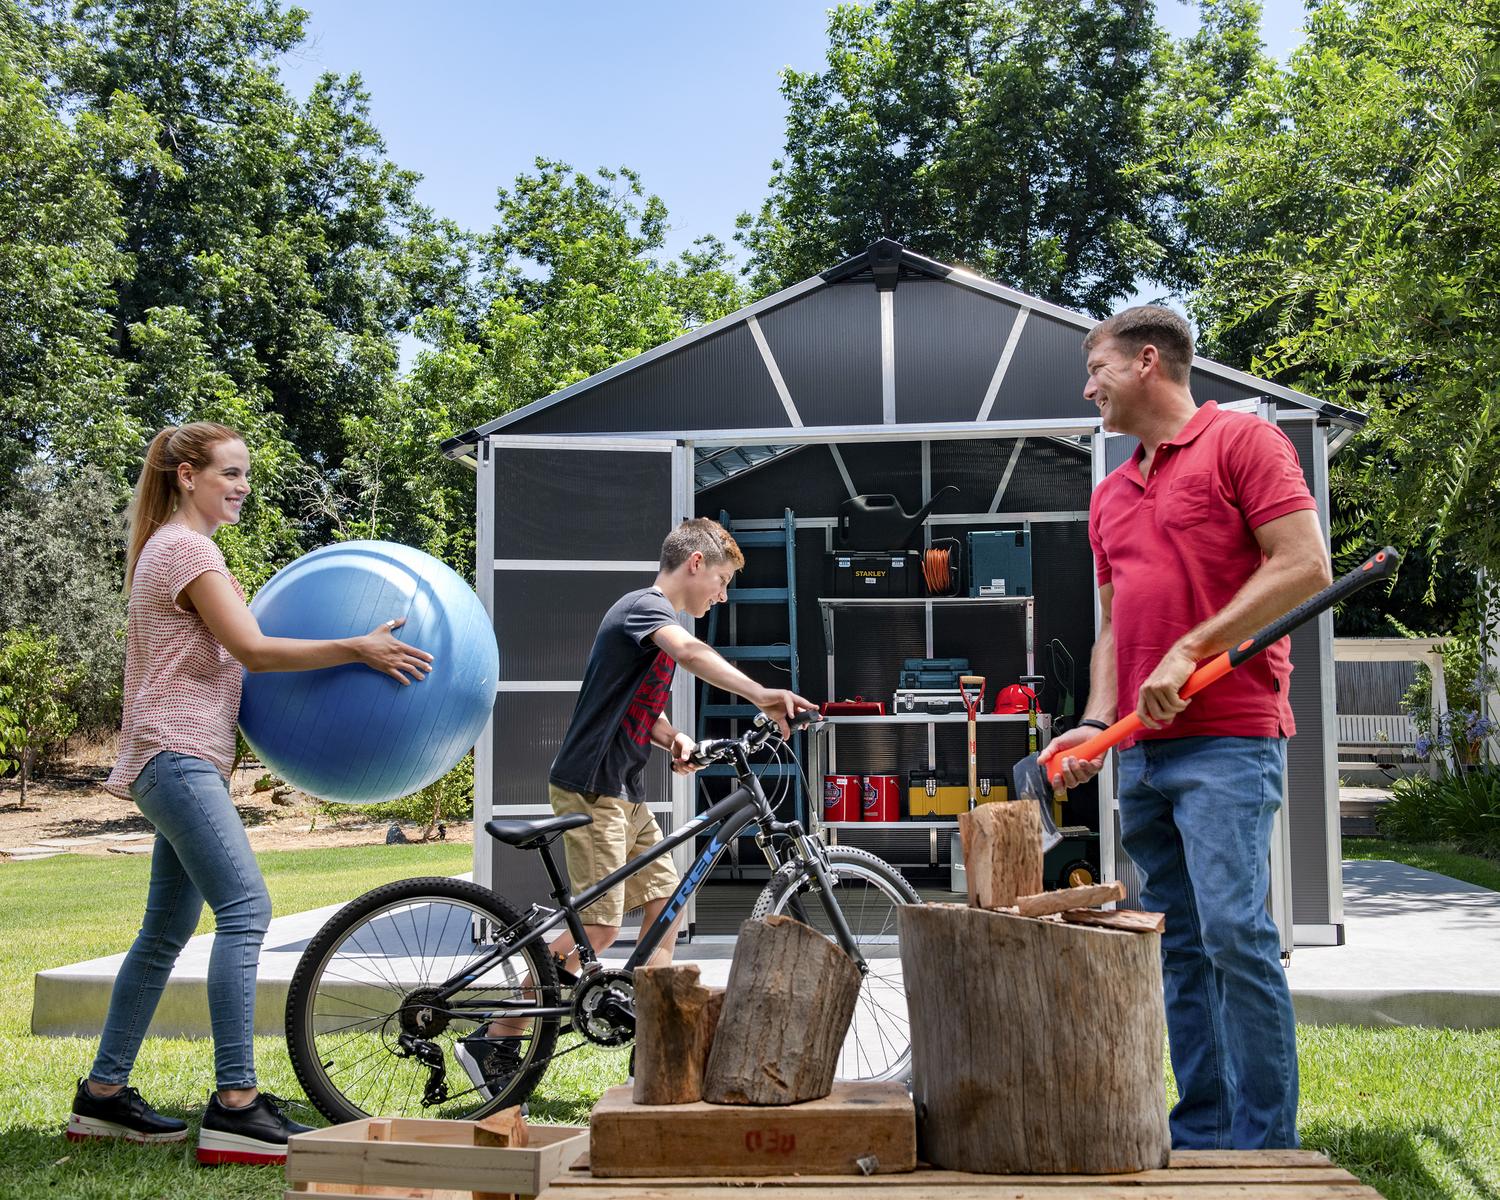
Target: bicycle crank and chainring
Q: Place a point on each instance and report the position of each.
(604, 1007)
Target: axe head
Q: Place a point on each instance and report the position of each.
(1030, 778)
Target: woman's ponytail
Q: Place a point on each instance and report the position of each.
(156, 492)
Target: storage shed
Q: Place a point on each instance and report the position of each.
(889, 373)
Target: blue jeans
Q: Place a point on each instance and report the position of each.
(1195, 816)
(201, 852)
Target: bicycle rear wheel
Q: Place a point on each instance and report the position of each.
(363, 983)
(868, 890)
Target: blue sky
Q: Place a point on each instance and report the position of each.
(468, 93)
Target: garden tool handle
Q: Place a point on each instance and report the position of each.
(1381, 565)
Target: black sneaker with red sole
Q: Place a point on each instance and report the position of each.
(255, 1135)
(123, 1115)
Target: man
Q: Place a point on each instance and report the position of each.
(619, 716)
(1205, 535)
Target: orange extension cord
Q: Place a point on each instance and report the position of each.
(937, 571)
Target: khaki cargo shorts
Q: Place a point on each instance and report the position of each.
(621, 831)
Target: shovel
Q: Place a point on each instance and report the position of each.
(972, 705)
(1035, 782)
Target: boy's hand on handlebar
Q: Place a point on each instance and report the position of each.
(382, 651)
(682, 755)
(783, 706)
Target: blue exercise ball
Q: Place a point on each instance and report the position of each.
(349, 733)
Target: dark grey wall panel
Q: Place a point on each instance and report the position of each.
(720, 382)
(890, 467)
(581, 504)
(1048, 477)
(1046, 374)
(1307, 797)
(827, 346)
(806, 481)
(948, 340)
(1207, 387)
(545, 621)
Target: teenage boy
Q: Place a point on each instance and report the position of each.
(619, 716)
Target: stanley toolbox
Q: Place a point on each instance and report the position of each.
(933, 794)
(874, 575)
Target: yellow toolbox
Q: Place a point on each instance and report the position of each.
(933, 794)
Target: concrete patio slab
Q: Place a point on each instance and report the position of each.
(1422, 949)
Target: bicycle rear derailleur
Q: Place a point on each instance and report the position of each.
(604, 1006)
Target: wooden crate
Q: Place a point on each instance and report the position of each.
(416, 1159)
(1191, 1175)
(873, 1122)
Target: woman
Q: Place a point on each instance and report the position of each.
(188, 633)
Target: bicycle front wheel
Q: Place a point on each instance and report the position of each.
(363, 999)
(868, 891)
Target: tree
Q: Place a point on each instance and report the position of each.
(569, 282)
(993, 133)
(1348, 225)
(35, 685)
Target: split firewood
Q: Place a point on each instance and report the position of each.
(675, 1019)
(506, 1128)
(790, 999)
(1128, 919)
(1002, 852)
(1045, 903)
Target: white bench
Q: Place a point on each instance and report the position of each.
(1381, 741)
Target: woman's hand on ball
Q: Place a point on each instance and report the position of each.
(382, 651)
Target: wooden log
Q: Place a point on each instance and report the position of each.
(856, 1128)
(675, 1018)
(1054, 1063)
(1044, 904)
(790, 999)
(1128, 919)
(1002, 852)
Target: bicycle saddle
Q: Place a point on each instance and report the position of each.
(528, 832)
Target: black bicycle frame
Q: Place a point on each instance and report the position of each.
(743, 806)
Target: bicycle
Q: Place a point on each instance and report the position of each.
(387, 988)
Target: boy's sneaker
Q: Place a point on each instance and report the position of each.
(123, 1115)
(255, 1134)
(491, 1063)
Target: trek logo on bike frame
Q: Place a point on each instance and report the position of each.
(692, 879)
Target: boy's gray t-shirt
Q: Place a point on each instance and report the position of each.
(626, 686)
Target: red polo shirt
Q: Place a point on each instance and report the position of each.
(1179, 545)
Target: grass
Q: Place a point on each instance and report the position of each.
(66, 909)
(1415, 1113)
(1429, 856)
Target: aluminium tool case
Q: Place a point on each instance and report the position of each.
(933, 701)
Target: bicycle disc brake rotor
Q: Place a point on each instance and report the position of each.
(604, 1007)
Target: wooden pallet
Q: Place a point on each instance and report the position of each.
(418, 1159)
(1192, 1175)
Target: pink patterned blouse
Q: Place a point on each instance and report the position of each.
(182, 688)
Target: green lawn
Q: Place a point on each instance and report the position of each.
(1413, 1112)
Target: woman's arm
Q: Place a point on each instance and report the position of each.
(234, 625)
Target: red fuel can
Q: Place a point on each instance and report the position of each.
(841, 797)
(882, 798)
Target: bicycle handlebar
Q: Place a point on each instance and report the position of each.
(761, 731)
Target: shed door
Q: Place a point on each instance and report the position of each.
(566, 526)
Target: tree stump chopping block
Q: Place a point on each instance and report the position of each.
(790, 999)
(1041, 1048)
(1002, 852)
(675, 1019)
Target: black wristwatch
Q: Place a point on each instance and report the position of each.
(1093, 724)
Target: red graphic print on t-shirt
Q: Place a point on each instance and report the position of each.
(650, 699)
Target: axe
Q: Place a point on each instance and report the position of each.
(1035, 782)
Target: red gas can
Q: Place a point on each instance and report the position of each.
(882, 798)
(841, 797)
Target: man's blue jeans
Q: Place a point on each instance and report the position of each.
(1195, 816)
(201, 852)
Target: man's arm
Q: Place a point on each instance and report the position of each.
(1295, 567)
(1103, 689)
(695, 655)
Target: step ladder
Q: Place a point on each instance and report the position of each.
(722, 636)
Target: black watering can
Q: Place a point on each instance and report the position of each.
(878, 522)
